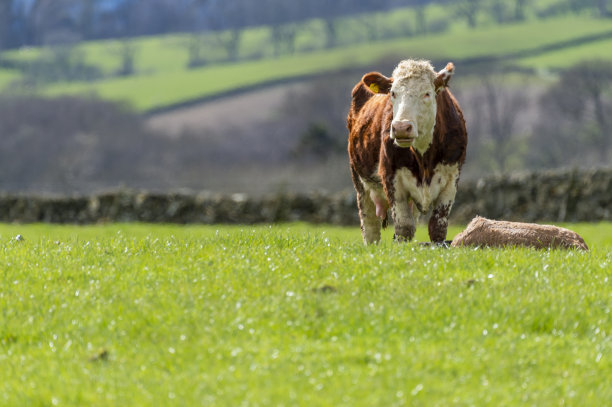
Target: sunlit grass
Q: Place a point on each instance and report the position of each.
(566, 58)
(7, 76)
(297, 315)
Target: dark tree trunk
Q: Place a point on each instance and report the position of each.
(600, 116)
(519, 10)
(421, 22)
(331, 36)
(602, 5)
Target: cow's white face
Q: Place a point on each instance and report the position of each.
(412, 90)
(414, 112)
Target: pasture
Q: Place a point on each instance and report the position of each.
(137, 314)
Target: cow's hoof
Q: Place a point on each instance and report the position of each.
(444, 245)
(401, 239)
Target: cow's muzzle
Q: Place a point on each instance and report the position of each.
(403, 132)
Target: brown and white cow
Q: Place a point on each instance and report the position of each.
(407, 142)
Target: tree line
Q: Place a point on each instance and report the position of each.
(47, 22)
(216, 29)
(43, 22)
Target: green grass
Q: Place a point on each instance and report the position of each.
(566, 58)
(146, 92)
(7, 76)
(298, 315)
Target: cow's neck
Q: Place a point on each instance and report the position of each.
(423, 142)
(423, 170)
(426, 162)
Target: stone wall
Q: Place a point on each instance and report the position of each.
(556, 196)
(568, 196)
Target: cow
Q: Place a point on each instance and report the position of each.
(407, 143)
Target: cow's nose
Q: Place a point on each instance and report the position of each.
(402, 129)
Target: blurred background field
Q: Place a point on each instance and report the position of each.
(243, 96)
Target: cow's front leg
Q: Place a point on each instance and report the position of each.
(403, 219)
(438, 222)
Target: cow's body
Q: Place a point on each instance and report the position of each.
(409, 164)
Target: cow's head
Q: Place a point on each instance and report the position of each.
(412, 88)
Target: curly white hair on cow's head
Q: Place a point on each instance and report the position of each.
(414, 68)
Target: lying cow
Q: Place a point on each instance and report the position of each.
(407, 142)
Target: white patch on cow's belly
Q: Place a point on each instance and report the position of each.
(442, 188)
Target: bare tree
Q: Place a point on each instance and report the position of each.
(195, 49)
(52, 22)
(196, 24)
(126, 50)
(283, 17)
(333, 11)
(215, 23)
(587, 82)
(574, 128)
(498, 123)
(226, 19)
(421, 19)
(499, 11)
(469, 9)
(133, 18)
(519, 9)
(316, 115)
(283, 38)
(87, 19)
(602, 5)
(5, 23)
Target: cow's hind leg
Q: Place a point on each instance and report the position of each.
(370, 223)
(403, 219)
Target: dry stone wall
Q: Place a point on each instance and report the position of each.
(561, 196)
(557, 196)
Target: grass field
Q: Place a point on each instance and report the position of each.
(298, 315)
(567, 57)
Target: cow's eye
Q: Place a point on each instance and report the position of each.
(393, 94)
(427, 95)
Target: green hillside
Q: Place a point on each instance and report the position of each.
(161, 78)
(7, 76)
(569, 56)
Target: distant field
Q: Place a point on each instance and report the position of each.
(162, 78)
(298, 315)
(6, 77)
(567, 57)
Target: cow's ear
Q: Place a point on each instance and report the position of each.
(444, 76)
(377, 82)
